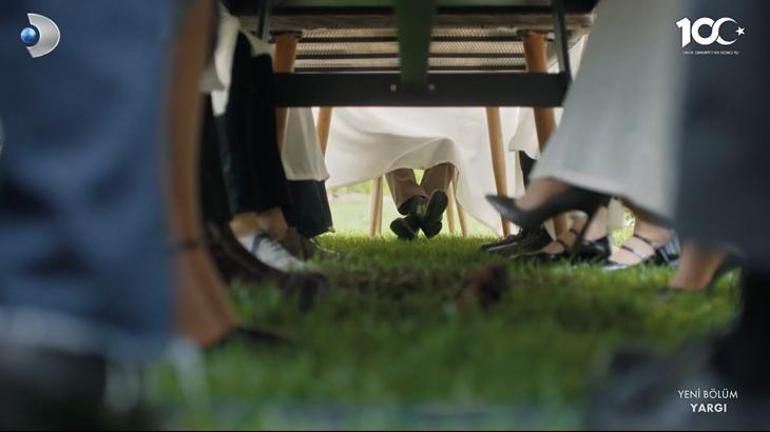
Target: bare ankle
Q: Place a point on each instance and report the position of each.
(541, 190)
(273, 223)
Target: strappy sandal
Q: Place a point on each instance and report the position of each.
(662, 254)
(582, 251)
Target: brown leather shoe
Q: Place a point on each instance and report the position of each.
(304, 248)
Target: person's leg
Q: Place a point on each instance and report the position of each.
(527, 165)
(231, 258)
(745, 352)
(404, 188)
(309, 216)
(271, 222)
(205, 312)
(723, 182)
(437, 178)
(254, 173)
(82, 217)
(594, 246)
(256, 181)
(541, 190)
(698, 267)
(435, 182)
(408, 197)
(215, 208)
(596, 230)
(310, 213)
(650, 242)
(84, 244)
(199, 318)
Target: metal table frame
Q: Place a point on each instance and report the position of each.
(414, 85)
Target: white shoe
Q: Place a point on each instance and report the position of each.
(274, 255)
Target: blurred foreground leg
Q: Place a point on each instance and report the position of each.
(205, 312)
(85, 279)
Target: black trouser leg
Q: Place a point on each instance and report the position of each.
(214, 202)
(527, 164)
(254, 173)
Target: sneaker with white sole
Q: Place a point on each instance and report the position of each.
(275, 255)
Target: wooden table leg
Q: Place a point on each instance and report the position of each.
(495, 128)
(323, 126)
(375, 208)
(283, 62)
(536, 56)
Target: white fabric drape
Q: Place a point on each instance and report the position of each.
(366, 143)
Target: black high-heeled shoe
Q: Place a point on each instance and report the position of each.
(572, 198)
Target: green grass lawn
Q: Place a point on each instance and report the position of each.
(389, 347)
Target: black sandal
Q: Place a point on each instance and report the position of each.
(665, 254)
(584, 250)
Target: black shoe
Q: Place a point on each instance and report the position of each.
(509, 240)
(665, 254)
(573, 198)
(48, 389)
(406, 228)
(432, 230)
(539, 257)
(421, 214)
(592, 251)
(435, 208)
(526, 241)
(430, 221)
(586, 251)
(303, 247)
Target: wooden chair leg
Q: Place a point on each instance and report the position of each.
(461, 218)
(498, 157)
(536, 56)
(375, 208)
(323, 126)
(283, 62)
(378, 226)
(450, 210)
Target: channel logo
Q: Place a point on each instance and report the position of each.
(692, 31)
(41, 37)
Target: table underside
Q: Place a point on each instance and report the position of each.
(479, 38)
